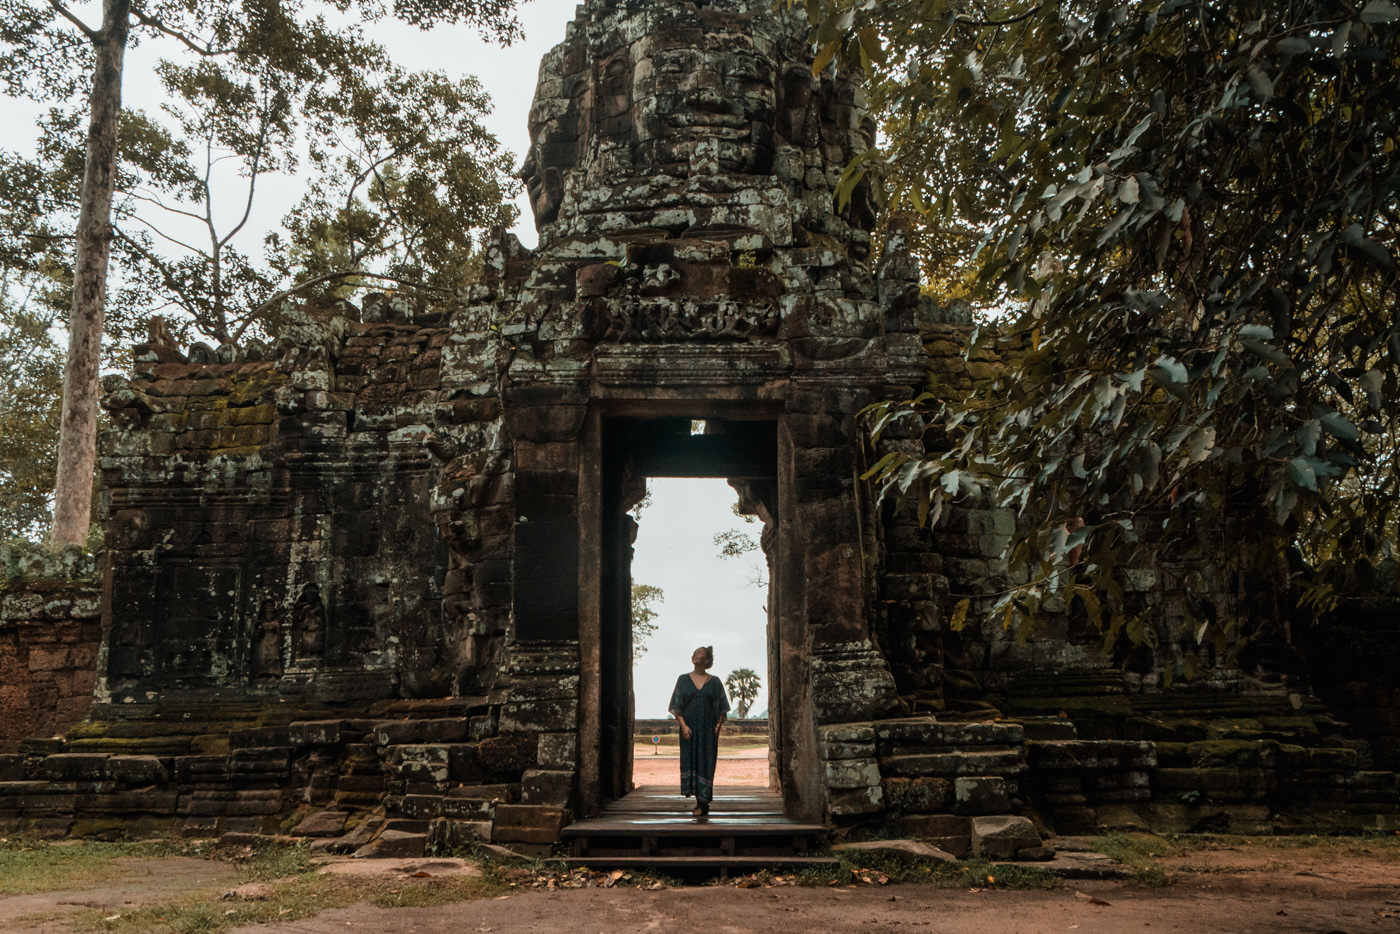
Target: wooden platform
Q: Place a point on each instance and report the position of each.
(653, 828)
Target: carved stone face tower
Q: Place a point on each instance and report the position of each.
(690, 117)
(692, 265)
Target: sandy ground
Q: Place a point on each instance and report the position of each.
(1219, 905)
(1234, 886)
(737, 767)
(1226, 889)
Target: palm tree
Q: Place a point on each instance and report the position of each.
(743, 685)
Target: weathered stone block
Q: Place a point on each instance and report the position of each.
(539, 715)
(245, 803)
(361, 784)
(1003, 836)
(983, 794)
(1168, 817)
(423, 807)
(317, 732)
(852, 773)
(459, 833)
(847, 740)
(950, 764)
(258, 737)
(526, 823)
(918, 795)
(558, 750)
(508, 754)
(855, 801)
(71, 766)
(142, 801)
(463, 763)
(137, 770)
(898, 849)
(394, 844)
(419, 763)
(550, 787)
(1217, 785)
(397, 732)
(921, 733)
(322, 824)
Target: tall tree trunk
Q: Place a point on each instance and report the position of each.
(77, 440)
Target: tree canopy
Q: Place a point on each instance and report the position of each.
(31, 377)
(644, 616)
(743, 685)
(401, 176)
(1183, 216)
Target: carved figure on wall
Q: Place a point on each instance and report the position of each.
(309, 625)
(267, 644)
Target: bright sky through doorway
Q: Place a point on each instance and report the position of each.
(709, 600)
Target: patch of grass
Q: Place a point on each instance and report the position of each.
(1386, 846)
(277, 862)
(293, 890)
(1138, 853)
(30, 867)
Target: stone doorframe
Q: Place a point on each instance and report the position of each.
(792, 736)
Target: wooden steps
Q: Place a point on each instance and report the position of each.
(653, 827)
(741, 863)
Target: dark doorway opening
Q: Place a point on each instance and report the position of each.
(743, 452)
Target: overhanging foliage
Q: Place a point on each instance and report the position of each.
(1189, 217)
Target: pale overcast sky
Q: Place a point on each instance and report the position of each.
(709, 600)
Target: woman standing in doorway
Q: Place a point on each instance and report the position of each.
(699, 706)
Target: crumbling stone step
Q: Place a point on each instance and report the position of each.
(953, 764)
(151, 746)
(138, 770)
(242, 803)
(1232, 785)
(136, 801)
(924, 734)
(257, 737)
(451, 833)
(327, 732)
(949, 832)
(1091, 754)
(328, 823)
(408, 732)
(676, 863)
(70, 766)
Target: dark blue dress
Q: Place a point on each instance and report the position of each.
(701, 709)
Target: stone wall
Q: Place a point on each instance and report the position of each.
(268, 525)
(50, 631)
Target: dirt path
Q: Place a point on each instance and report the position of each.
(1201, 906)
(739, 767)
(137, 882)
(1323, 887)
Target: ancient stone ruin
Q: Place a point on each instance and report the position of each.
(382, 565)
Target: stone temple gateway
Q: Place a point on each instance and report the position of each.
(383, 564)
